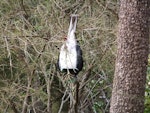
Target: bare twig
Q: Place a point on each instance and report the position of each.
(13, 106)
(64, 100)
(25, 103)
(9, 54)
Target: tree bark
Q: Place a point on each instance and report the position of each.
(132, 54)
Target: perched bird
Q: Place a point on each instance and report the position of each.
(70, 57)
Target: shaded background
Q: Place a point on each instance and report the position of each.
(32, 32)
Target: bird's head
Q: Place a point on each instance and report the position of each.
(65, 38)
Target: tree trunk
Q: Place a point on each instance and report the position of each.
(132, 54)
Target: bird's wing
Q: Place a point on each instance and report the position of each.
(79, 58)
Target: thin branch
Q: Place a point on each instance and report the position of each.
(25, 103)
(13, 106)
(9, 54)
(77, 96)
(64, 100)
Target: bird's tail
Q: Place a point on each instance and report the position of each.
(73, 24)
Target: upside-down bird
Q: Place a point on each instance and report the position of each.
(70, 57)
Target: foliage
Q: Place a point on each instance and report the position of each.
(32, 32)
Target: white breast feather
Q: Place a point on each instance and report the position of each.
(68, 57)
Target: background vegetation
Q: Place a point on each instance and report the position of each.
(32, 32)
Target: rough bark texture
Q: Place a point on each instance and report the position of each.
(131, 63)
